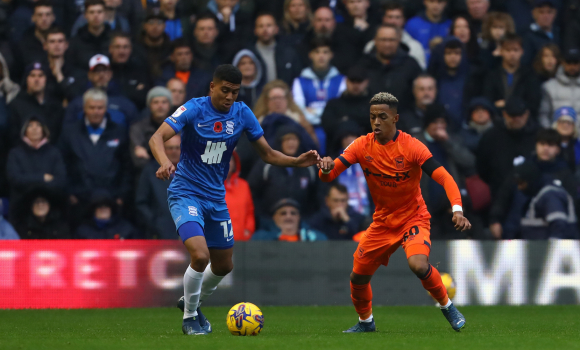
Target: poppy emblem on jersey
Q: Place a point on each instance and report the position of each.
(218, 127)
(400, 162)
(369, 159)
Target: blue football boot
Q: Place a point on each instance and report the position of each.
(455, 318)
(361, 327)
(203, 322)
(191, 326)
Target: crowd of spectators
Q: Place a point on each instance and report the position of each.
(491, 87)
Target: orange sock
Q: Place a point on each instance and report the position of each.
(362, 298)
(432, 282)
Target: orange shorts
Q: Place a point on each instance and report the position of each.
(378, 243)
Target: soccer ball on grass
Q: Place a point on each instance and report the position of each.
(245, 319)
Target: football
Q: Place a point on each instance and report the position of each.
(245, 319)
(449, 284)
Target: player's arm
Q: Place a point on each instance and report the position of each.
(274, 157)
(438, 173)
(156, 143)
(330, 169)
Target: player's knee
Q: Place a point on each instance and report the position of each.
(199, 260)
(359, 279)
(222, 269)
(419, 267)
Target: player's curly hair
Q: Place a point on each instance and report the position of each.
(384, 98)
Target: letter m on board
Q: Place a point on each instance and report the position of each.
(213, 152)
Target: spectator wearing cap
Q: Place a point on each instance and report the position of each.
(104, 222)
(563, 89)
(480, 117)
(121, 110)
(34, 162)
(159, 104)
(448, 150)
(424, 93)
(566, 124)
(115, 20)
(252, 72)
(513, 78)
(33, 39)
(96, 153)
(336, 219)
(178, 93)
(130, 72)
(151, 196)
(182, 67)
(351, 105)
(92, 38)
(64, 81)
(41, 216)
(542, 31)
(429, 25)
(286, 225)
(239, 201)
(154, 43)
(32, 100)
(505, 143)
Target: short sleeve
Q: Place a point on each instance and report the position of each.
(350, 154)
(419, 152)
(252, 126)
(179, 118)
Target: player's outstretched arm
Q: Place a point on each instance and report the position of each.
(274, 157)
(330, 169)
(156, 143)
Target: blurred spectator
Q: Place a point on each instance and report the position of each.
(480, 114)
(477, 9)
(566, 124)
(154, 42)
(563, 89)
(233, 21)
(92, 38)
(460, 28)
(431, 26)
(96, 152)
(208, 51)
(129, 72)
(286, 225)
(64, 81)
(394, 15)
(495, 27)
(280, 61)
(239, 201)
(151, 196)
(178, 93)
(547, 62)
(323, 26)
(542, 31)
(351, 105)
(33, 39)
(8, 90)
(175, 25)
(252, 72)
(121, 110)
(34, 162)
(116, 20)
(456, 159)
(551, 212)
(104, 222)
(513, 78)
(390, 67)
(6, 230)
(336, 219)
(23, 11)
(196, 80)
(424, 92)
(504, 143)
(33, 100)
(316, 85)
(40, 216)
(159, 104)
(297, 20)
(270, 183)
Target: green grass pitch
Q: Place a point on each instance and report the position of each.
(296, 328)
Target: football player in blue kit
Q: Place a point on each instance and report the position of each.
(210, 128)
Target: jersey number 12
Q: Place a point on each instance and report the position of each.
(213, 152)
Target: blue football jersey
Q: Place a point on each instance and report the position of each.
(208, 139)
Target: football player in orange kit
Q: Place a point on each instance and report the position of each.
(393, 162)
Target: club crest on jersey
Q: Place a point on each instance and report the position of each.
(400, 162)
(218, 127)
(230, 127)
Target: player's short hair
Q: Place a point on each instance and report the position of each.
(453, 44)
(207, 15)
(549, 136)
(95, 94)
(385, 98)
(339, 187)
(42, 3)
(119, 34)
(89, 3)
(179, 43)
(229, 73)
(511, 38)
(320, 42)
(393, 6)
(55, 30)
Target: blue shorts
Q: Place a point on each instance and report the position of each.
(213, 216)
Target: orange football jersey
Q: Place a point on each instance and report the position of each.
(393, 173)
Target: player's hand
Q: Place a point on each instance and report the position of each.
(461, 222)
(307, 159)
(326, 164)
(496, 230)
(141, 152)
(165, 171)
(226, 13)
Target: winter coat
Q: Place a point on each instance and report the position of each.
(54, 227)
(121, 24)
(133, 80)
(271, 232)
(344, 108)
(151, 204)
(6, 230)
(423, 30)
(335, 230)
(240, 204)
(559, 91)
(311, 94)
(85, 45)
(471, 133)
(413, 47)
(72, 86)
(350, 43)
(411, 120)
(30, 48)
(156, 56)
(117, 228)
(120, 109)
(249, 93)
(535, 39)
(288, 65)
(197, 85)
(139, 135)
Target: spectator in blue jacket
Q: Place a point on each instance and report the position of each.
(103, 221)
(336, 219)
(286, 225)
(6, 230)
(542, 31)
(429, 25)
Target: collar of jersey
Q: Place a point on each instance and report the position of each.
(215, 109)
(394, 137)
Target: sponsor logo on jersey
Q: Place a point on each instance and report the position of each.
(369, 159)
(179, 111)
(230, 127)
(213, 152)
(400, 162)
(397, 177)
(218, 127)
(173, 119)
